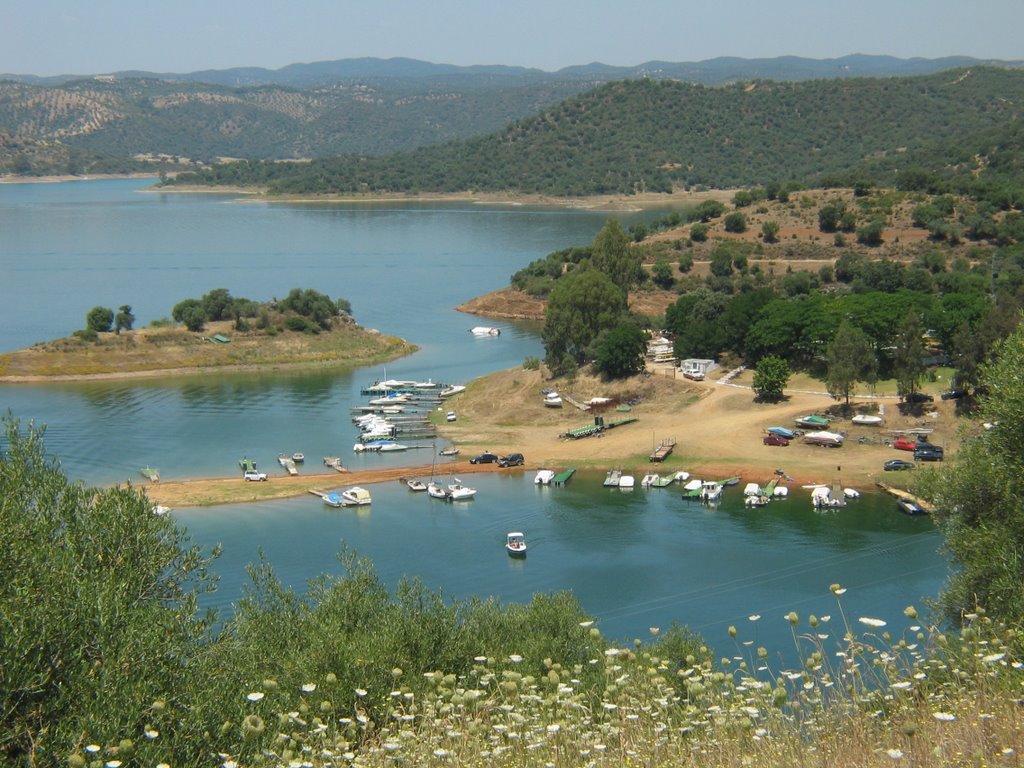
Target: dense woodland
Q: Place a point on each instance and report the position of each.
(657, 136)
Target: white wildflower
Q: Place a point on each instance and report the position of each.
(309, 687)
(871, 622)
(360, 692)
(515, 658)
(255, 696)
(895, 754)
(944, 716)
(994, 657)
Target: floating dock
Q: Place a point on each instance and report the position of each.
(663, 451)
(563, 477)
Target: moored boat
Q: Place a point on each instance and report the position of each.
(611, 480)
(459, 492)
(298, 457)
(485, 330)
(437, 491)
(544, 476)
(448, 452)
(908, 507)
(515, 544)
(626, 482)
(711, 491)
(416, 485)
(333, 499)
(355, 496)
(151, 474)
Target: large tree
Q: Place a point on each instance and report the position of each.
(980, 499)
(908, 357)
(581, 305)
(850, 358)
(612, 254)
(619, 352)
(770, 378)
(99, 319)
(124, 319)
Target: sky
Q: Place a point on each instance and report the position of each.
(50, 37)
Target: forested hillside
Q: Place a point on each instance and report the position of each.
(656, 136)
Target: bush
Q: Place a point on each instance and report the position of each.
(86, 334)
(735, 222)
(531, 363)
(699, 232)
(99, 319)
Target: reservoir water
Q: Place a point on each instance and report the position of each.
(634, 560)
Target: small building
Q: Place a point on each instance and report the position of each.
(696, 368)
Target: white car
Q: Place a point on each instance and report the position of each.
(252, 474)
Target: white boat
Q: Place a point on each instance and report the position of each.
(333, 499)
(712, 491)
(867, 419)
(298, 457)
(681, 477)
(553, 400)
(454, 389)
(459, 492)
(437, 491)
(388, 447)
(752, 489)
(693, 485)
(611, 480)
(780, 492)
(821, 497)
(393, 399)
(649, 480)
(160, 509)
(626, 482)
(485, 330)
(515, 544)
(829, 439)
(448, 452)
(355, 496)
(544, 476)
(851, 493)
(416, 485)
(757, 501)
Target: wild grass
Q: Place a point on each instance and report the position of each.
(859, 697)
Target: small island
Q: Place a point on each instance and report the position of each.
(216, 332)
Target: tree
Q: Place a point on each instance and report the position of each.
(217, 304)
(611, 253)
(662, 275)
(124, 320)
(581, 305)
(699, 232)
(99, 319)
(770, 231)
(850, 358)
(829, 216)
(193, 318)
(871, 233)
(978, 500)
(771, 377)
(908, 357)
(619, 351)
(99, 596)
(735, 222)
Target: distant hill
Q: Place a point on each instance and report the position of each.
(656, 136)
(352, 106)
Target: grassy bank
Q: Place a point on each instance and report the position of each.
(150, 352)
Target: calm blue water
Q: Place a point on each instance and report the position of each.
(634, 560)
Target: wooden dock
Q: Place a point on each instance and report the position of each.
(664, 450)
(927, 506)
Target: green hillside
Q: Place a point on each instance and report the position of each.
(656, 136)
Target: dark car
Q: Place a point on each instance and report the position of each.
(928, 452)
(512, 460)
(894, 465)
(484, 458)
(953, 394)
(774, 440)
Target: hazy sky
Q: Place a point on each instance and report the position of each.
(46, 37)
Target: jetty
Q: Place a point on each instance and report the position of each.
(563, 477)
(288, 463)
(334, 462)
(663, 451)
(902, 495)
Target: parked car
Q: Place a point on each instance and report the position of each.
(928, 452)
(953, 394)
(895, 465)
(484, 458)
(512, 460)
(774, 440)
(904, 444)
(254, 475)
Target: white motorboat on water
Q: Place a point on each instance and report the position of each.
(752, 489)
(627, 482)
(355, 496)
(333, 499)
(712, 491)
(459, 492)
(485, 330)
(416, 485)
(544, 476)
(515, 544)
(649, 480)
